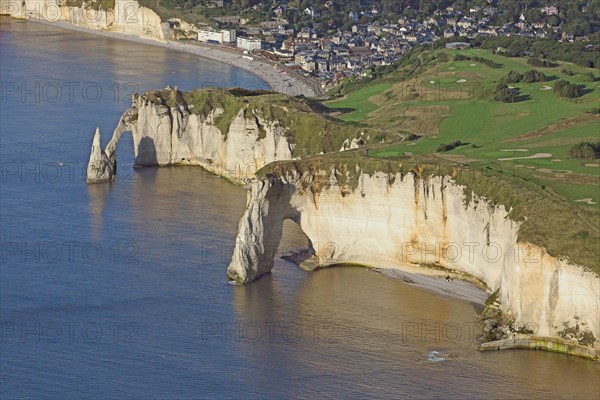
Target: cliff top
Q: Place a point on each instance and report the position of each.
(548, 220)
(95, 4)
(308, 129)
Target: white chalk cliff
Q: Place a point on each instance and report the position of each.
(395, 221)
(174, 135)
(126, 17)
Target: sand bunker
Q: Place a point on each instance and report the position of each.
(514, 150)
(536, 155)
(545, 87)
(587, 200)
(591, 165)
(556, 160)
(461, 81)
(432, 82)
(472, 65)
(555, 171)
(451, 68)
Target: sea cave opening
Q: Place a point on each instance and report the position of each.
(294, 246)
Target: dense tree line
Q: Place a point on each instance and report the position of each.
(536, 62)
(577, 16)
(580, 53)
(485, 61)
(581, 17)
(531, 76)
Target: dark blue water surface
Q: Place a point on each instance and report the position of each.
(119, 290)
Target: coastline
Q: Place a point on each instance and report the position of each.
(444, 283)
(542, 343)
(461, 288)
(458, 287)
(464, 288)
(426, 281)
(280, 82)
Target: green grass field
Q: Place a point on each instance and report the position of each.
(357, 105)
(542, 123)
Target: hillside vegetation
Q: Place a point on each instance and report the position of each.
(438, 112)
(310, 131)
(500, 118)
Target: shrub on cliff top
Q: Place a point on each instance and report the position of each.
(585, 151)
(241, 92)
(450, 146)
(513, 77)
(536, 62)
(93, 4)
(567, 89)
(533, 75)
(506, 95)
(588, 77)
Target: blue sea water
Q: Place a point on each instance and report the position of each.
(119, 290)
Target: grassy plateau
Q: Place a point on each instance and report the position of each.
(452, 99)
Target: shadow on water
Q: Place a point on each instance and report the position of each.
(147, 152)
(97, 194)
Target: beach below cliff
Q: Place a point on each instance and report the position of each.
(281, 82)
(441, 283)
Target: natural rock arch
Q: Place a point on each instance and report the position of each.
(409, 223)
(102, 166)
(166, 133)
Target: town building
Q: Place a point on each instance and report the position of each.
(224, 36)
(250, 44)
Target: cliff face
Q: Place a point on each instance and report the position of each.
(174, 135)
(126, 16)
(232, 132)
(394, 221)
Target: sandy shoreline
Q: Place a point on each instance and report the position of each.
(435, 281)
(441, 282)
(280, 82)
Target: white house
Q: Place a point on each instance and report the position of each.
(550, 10)
(312, 12)
(249, 44)
(222, 36)
(229, 35)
